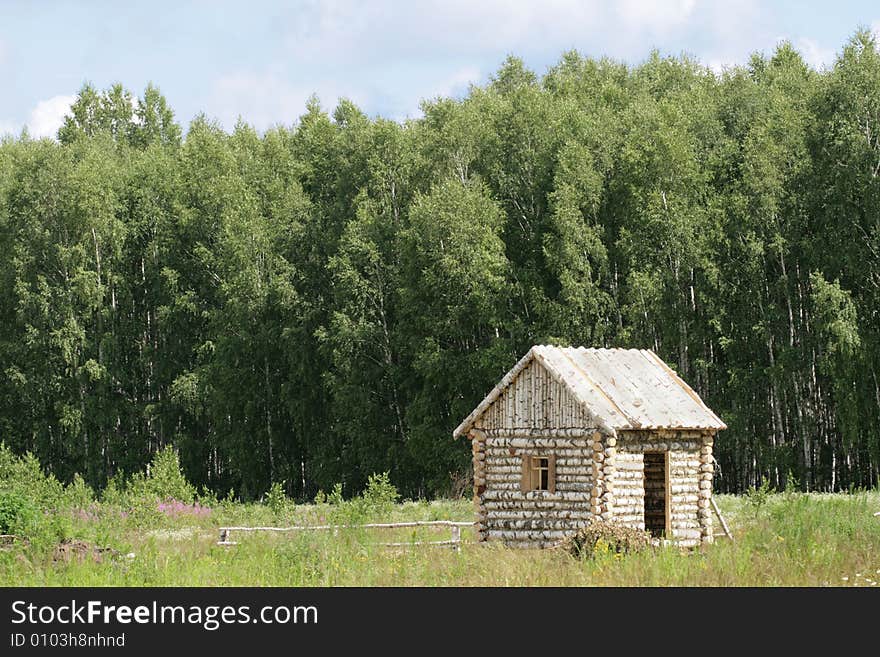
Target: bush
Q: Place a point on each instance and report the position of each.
(78, 493)
(602, 536)
(335, 496)
(756, 498)
(24, 475)
(276, 500)
(165, 479)
(380, 494)
(114, 493)
(17, 514)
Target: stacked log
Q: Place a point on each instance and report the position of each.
(596, 475)
(478, 453)
(536, 518)
(707, 471)
(609, 469)
(689, 481)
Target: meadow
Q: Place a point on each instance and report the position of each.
(156, 530)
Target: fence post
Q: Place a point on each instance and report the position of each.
(456, 536)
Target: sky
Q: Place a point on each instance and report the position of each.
(262, 59)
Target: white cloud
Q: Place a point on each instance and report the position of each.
(43, 120)
(457, 83)
(48, 115)
(8, 128)
(720, 65)
(454, 85)
(657, 16)
(385, 53)
(267, 99)
(814, 54)
(344, 31)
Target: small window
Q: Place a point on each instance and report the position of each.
(538, 473)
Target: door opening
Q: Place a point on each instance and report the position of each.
(655, 493)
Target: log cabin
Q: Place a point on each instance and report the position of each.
(571, 433)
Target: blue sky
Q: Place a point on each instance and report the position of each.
(262, 59)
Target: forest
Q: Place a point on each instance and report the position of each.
(328, 299)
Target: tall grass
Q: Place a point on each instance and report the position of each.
(788, 539)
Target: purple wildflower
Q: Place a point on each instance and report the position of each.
(175, 508)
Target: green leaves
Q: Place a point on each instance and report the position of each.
(321, 302)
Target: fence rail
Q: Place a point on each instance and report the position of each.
(454, 542)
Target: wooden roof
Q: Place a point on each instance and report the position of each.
(620, 388)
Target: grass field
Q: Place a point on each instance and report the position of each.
(130, 538)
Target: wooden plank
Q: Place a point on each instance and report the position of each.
(720, 518)
(712, 421)
(606, 372)
(449, 543)
(468, 422)
(375, 525)
(538, 400)
(587, 392)
(644, 391)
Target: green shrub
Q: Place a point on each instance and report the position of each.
(17, 514)
(165, 479)
(335, 496)
(24, 475)
(114, 493)
(601, 536)
(78, 494)
(276, 500)
(756, 498)
(380, 495)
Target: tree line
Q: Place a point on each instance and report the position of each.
(328, 300)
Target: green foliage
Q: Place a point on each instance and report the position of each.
(78, 494)
(114, 492)
(757, 496)
(325, 301)
(380, 495)
(164, 480)
(277, 500)
(334, 497)
(24, 475)
(17, 514)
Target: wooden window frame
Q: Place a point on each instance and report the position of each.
(532, 468)
(539, 466)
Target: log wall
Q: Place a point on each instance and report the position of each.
(690, 481)
(535, 518)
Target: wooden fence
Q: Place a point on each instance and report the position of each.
(454, 541)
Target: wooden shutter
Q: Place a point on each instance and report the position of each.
(551, 473)
(525, 482)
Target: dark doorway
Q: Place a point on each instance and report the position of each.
(655, 493)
